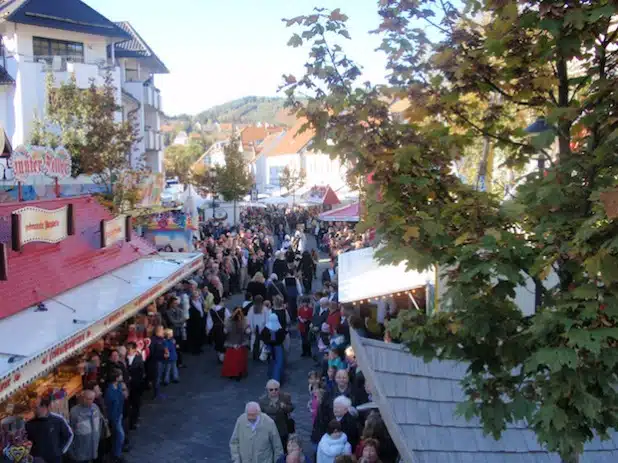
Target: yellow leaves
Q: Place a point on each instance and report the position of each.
(416, 113)
(411, 233)
(444, 57)
(544, 82)
(465, 238)
(453, 328)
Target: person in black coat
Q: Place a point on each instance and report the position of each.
(256, 286)
(50, 434)
(137, 378)
(330, 274)
(280, 266)
(277, 288)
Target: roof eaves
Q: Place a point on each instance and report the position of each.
(19, 16)
(126, 25)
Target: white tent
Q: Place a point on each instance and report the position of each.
(276, 200)
(362, 277)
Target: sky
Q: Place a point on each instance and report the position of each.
(219, 50)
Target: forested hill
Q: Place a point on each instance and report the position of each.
(249, 109)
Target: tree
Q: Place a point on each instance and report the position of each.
(292, 179)
(233, 180)
(179, 160)
(470, 70)
(84, 122)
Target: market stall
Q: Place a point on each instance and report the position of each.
(323, 196)
(378, 289)
(347, 213)
(70, 273)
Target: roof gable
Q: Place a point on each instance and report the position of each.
(137, 47)
(293, 141)
(43, 270)
(68, 15)
(418, 401)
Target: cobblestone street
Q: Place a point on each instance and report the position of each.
(196, 420)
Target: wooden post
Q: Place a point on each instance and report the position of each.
(20, 196)
(56, 187)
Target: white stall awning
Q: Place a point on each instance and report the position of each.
(362, 277)
(37, 339)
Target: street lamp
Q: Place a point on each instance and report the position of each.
(539, 126)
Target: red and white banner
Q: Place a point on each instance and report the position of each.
(43, 362)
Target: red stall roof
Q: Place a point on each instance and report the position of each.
(42, 271)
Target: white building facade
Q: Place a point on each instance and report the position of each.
(294, 150)
(71, 39)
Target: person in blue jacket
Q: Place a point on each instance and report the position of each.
(114, 402)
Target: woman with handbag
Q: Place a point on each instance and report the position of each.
(273, 337)
(256, 320)
(235, 362)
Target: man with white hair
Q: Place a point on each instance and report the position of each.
(278, 405)
(342, 406)
(255, 438)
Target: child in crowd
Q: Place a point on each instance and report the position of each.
(335, 360)
(171, 367)
(305, 314)
(329, 380)
(333, 444)
(314, 403)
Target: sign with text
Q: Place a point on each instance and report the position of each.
(30, 161)
(33, 224)
(115, 230)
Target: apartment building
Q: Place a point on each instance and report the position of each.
(70, 38)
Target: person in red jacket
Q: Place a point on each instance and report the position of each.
(334, 318)
(305, 314)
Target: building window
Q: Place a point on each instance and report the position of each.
(46, 49)
(275, 172)
(131, 75)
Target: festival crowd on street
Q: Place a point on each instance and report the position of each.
(263, 296)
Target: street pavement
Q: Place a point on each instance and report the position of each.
(194, 423)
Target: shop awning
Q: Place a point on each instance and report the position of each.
(349, 213)
(37, 339)
(418, 402)
(362, 277)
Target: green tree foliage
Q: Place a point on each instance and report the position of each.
(179, 159)
(233, 180)
(83, 121)
(292, 179)
(470, 69)
(250, 109)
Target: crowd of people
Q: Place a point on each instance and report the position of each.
(267, 259)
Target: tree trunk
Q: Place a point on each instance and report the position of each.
(570, 459)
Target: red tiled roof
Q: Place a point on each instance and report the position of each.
(253, 135)
(44, 270)
(293, 141)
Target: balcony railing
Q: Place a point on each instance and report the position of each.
(152, 97)
(153, 140)
(59, 63)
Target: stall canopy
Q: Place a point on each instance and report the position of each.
(362, 277)
(321, 195)
(418, 401)
(37, 339)
(349, 213)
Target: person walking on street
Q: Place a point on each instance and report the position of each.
(137, 374)
(50, 434)
(278, 405)
(86, 420)
(114, 401)
(255, 438)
